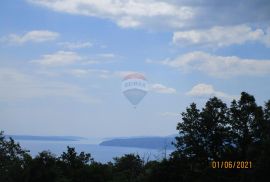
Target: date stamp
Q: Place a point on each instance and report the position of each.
(231, 164)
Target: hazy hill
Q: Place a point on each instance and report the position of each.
(45, 138)
(142, 142)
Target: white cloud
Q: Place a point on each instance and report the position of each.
(166, 14)
(86, 72)
(159, 88)
(32, 36)
(219, 66)
(128, 22)
(91, 61)
(207, 90)
(101, 58)
(101, 73)
(16, 85)
(221, 36)
(78, 72)
(122, 74)
(60, 58)
(107, 55)
(75, 45)
(126, 13)
(63, 58)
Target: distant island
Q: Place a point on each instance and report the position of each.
(156, 142)
(45, 138)
(142, 142)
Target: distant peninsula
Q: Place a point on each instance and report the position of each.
(142, 142)
(45, 138)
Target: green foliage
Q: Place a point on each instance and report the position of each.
(43, 168)
(128, 168)
(13, 160)
(213, 133)
(218, 133)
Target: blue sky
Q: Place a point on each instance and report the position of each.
(62, 62)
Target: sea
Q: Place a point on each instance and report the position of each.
(102, 154)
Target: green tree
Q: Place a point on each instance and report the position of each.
(246, 120)
(44, 168)
(262, 165)
(13, 160)
(190, 143)
(75, 166)
(204, 135)
(128, 168)
(215, 130)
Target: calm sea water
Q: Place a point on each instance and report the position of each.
(101, 154)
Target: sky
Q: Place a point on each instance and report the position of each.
(62, 62)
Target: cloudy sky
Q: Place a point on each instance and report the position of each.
(62, 62)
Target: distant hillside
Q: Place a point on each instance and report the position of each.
(142, 142)
(45, 138)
